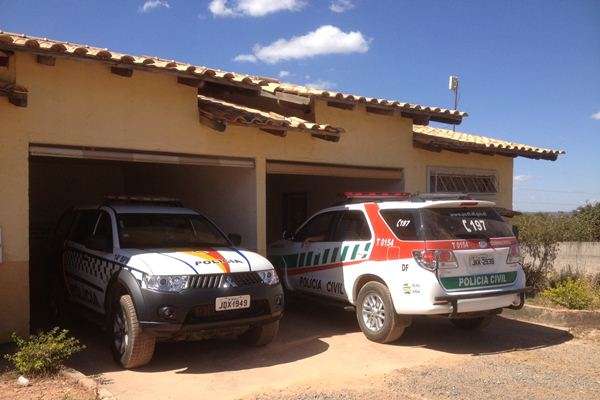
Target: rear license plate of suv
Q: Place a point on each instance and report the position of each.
(232, 303)
(481, 260)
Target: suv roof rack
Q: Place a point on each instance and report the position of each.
(141, 200)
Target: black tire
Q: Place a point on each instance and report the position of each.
(130, 346)
(379, 322)
(471, 324)
(260, 335)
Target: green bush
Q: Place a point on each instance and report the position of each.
(539, 235)
(43, 353)
(585, 225)
(576, 294)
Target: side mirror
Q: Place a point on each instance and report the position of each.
(515, 230)
(235, 238)
(288, 235)
(99, 243)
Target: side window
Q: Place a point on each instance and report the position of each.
(352, 227)
(104, 227)
(318, 229)
(402, 223)
(84, 224)
(102, 239)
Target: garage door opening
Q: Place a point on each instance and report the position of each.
(295, 191)
(226, 194)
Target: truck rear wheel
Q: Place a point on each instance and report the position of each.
(471, 324)
(260, 335)
(130, 346)
(376, 315)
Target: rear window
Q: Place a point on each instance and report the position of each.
(446, 223)
(463, 223)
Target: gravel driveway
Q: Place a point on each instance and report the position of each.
(321, 354)
(568, 371)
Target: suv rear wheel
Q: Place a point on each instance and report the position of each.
(471, 324)
(376, 315)
(130, 346)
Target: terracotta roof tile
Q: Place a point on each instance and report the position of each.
(450, 140)
(17, 40)
(326, 94)
(241, 115)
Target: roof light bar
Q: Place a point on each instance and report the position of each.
(125, 199)
(376, 195)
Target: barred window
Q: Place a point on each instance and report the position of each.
(447, 182)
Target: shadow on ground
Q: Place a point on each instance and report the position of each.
(303, 329)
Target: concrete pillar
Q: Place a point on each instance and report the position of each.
(14, 222)
(261, 205)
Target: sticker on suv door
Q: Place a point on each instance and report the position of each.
(474, 281)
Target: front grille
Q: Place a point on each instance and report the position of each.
(206, 313)
(213, 281)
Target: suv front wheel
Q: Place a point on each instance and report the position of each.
(130, 346)
(376, 315)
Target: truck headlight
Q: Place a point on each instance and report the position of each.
(269, 277)
(166, 283)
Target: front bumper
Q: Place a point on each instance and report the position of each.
(194, 314)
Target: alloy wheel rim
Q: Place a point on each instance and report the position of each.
(373, 312)
(120, 334)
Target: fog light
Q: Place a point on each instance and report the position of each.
(167, 312)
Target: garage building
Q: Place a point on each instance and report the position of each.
(257, 155)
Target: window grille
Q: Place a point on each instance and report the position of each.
(443, 182)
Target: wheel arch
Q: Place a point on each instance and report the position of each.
(123, 283)
(362, 281)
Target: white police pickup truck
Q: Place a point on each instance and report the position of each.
(395, 256)
(157, 270)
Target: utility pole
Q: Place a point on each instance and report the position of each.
(453, 87)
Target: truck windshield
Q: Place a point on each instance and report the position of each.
(144, 231)
(447, 223)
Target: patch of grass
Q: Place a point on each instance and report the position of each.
(43, 353)
(574, 293)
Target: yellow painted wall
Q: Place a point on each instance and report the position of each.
(81, 103)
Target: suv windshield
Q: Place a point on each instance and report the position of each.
(143, 231)
(447, 223)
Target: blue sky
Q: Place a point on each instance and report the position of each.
(529, 70)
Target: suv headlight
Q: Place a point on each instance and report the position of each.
(166, 283)
(269, 277)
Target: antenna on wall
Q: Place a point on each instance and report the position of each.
(453, 87)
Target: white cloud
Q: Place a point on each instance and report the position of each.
(340, 6)
(327, 39)
(596, 116)
(522, 178)
(321, 84)
(150, 5)
(245, 58)
(252, 8)
(284, 74)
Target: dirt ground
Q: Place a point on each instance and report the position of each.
(42, 388)
(321, 354)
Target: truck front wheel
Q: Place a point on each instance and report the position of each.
(376, 315)
(130, 346)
